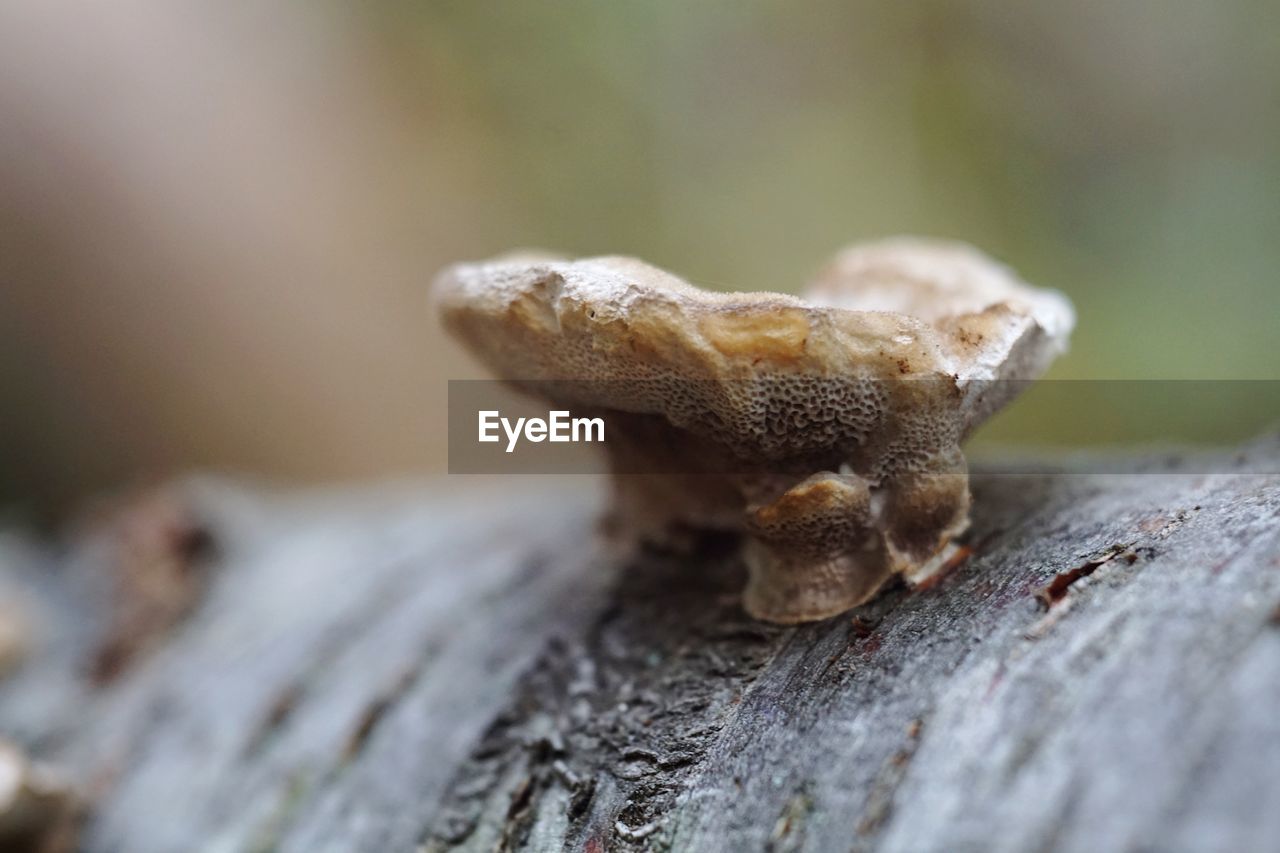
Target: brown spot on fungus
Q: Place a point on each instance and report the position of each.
(775, 334)
(825, 428)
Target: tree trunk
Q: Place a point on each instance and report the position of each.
(469, 671)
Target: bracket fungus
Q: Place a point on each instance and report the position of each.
(825, 428)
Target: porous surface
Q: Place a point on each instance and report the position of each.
(897, 352)
(459, 670)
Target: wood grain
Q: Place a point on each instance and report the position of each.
(446, 669)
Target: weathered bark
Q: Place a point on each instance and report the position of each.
(469, 672)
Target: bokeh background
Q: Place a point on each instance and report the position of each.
(218, 220)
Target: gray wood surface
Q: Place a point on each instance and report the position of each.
(451, 668)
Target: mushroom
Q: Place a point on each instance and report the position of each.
(827, 428)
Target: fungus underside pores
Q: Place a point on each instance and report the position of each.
(825, 428)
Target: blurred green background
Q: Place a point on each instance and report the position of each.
(232, 273)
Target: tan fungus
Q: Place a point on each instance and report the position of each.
(826, 428)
